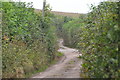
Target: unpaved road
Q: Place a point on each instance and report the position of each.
(67, 67)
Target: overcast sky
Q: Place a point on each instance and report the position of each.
(76, 6)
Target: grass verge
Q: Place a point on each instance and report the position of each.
(59, 55)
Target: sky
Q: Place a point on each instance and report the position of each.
(74, 6)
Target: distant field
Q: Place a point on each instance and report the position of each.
(74, 15)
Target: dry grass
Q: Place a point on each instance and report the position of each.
(73, 15)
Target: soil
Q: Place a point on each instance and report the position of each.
(68, 67)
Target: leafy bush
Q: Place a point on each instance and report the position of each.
(29, 40)
(71, 30)
(97, 37)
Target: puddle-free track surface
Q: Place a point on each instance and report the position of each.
(67, 67)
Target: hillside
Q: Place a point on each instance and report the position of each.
(73, 15)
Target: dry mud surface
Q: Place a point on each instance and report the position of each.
(67, 67)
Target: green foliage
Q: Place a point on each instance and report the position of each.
(28, 40)
(58, 22)
(97, 37)
(59, 54)
(71, 30)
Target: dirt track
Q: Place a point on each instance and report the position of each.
(67, 67)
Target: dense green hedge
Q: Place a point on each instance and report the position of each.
(97, 37)
(28, 40)
(71, 30)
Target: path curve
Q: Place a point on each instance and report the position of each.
(67, 67)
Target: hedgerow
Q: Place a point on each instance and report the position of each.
(97, 38)
(28, 39)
